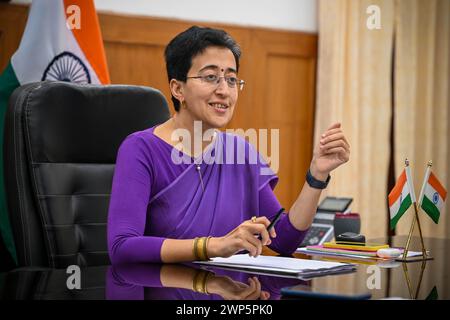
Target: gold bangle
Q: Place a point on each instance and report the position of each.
(196, 257)
(201, 248)
(198, 249)
(205, 248)
(200, 280)
(205, 281)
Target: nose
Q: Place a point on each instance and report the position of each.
(222, 87)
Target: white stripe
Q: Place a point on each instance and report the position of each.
(429, 193)
(410, 183)
(424, 184)
(393, 210)
(46, 35)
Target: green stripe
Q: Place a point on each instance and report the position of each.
(433, 295)
(8, 82)
(406, 203)
(429, 207)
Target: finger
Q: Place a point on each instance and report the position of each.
(339, 150)
(251, 288)
(330, 132)
(333, 144)
(256, 292)
(258, 228)
(334, 137)
(240, 285)
(256, 244)
(334, 125)
(273, 233)
(251, 247)
(266, 295)
(263, 220)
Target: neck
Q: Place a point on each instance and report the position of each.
(196, 130)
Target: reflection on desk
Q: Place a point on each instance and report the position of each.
(175, 282)
(140, 282)
(156, 281)
(413, 280)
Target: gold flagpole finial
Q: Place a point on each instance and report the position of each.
(406, 162)
(430, 163)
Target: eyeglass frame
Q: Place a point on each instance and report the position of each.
(239, 84)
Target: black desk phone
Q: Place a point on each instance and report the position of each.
(322, 227)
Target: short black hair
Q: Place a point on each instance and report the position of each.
(185, 46)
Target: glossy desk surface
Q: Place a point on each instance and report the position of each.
(411, 280)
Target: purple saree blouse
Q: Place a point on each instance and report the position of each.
(154, 197)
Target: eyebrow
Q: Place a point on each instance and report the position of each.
(213, 66)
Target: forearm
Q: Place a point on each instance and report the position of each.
(174, 250)
(176, 276)
(302, 212)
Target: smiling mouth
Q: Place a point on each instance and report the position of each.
(218, 106)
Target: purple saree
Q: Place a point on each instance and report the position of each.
(153, 198)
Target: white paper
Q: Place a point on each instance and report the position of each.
(299, 267)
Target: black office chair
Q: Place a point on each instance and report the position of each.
(61, 141)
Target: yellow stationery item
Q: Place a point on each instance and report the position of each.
(353, 246)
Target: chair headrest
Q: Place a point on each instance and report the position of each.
(86, 123)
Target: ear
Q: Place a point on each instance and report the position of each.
(176, 88)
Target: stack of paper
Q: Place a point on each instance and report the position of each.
(282, 266)
(369, 255)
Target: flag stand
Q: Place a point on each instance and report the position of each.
(408, 281)
(416, 217)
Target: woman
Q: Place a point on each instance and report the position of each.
(162, 211)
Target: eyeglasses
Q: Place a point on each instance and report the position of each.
(214, 79)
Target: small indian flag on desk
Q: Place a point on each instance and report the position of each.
(432, 195)
(400, 198)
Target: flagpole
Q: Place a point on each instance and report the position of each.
(416, 217)
(411, 190)
(422, 191)
(424, 263)
(424, 252)
(408, 282)
(405, 251)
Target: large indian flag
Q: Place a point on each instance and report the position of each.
(432, 196)
(400, 198)
(61, 41)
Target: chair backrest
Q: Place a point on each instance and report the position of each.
(61, 141)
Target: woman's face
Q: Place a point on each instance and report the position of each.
(211, 103)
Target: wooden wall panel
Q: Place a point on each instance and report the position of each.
(278, 67)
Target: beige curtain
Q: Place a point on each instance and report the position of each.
(354, 86)
(422, 99)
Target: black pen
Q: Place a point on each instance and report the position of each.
(274, 221)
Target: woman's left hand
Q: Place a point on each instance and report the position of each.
(332, 150)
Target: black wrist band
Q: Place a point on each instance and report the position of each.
(314, 183)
